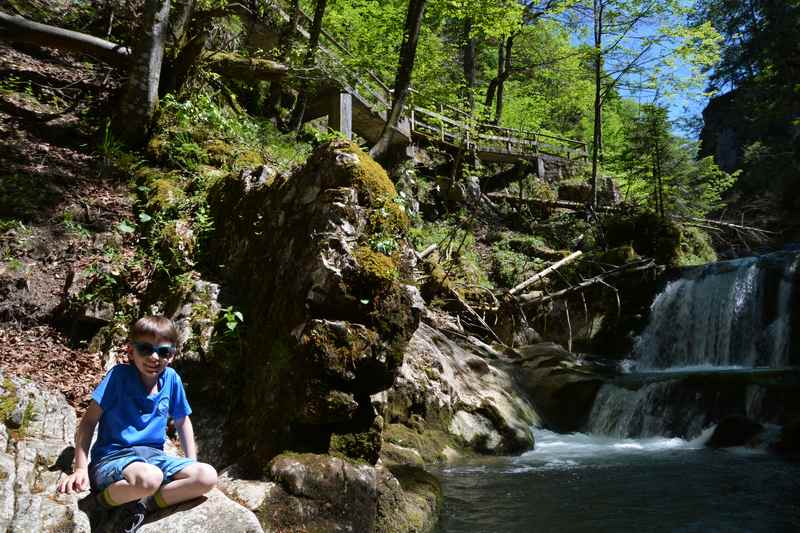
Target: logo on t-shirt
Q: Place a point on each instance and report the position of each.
(163, 406)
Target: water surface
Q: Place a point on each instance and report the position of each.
(589, 483)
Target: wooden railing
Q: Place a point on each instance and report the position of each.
(437, 121)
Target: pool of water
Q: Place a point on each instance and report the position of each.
(588, 483)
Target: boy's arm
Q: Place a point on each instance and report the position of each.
(186, 434)
(79, 479)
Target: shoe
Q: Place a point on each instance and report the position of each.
(133, 517)
(94, 508)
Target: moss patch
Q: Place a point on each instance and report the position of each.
(377, 266)
(430, 443)
(648, 234)
(695, 247)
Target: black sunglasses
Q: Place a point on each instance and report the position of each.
(145, 349)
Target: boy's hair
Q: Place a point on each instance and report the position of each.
(156, 326)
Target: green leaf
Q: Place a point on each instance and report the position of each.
(144, 217)
(239, 315)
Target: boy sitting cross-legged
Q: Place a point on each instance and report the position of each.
(132, 405)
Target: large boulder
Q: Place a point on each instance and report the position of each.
(35, 437)
(560, 387)
(789, 441)
(734, 430)
(313, 492)
(313, 261)
(449, 397)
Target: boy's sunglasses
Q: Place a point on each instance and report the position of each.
(145, 349)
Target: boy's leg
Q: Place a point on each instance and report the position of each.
(192, 481)
(139, 480)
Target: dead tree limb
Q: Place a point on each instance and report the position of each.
(557, 204)
(546, 272)
(427, 251)
(723, 224)
(15, 28)
(645, 264)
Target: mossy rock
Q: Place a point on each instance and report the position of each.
(695, 247)
(219, 152)
(247, 159)
(618, 255)
(374, 184)
(378, 268)
(365, 445)
(648, 234)
(430, 443)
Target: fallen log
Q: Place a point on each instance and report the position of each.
(645, 264)
(427, 251)
(246, 68)
(722, 224)
(555, 204)
(15, 28)
(546, 272)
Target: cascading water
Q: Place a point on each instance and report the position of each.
(728, 315)
(643, 464)
(720, 315)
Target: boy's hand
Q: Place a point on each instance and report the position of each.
(78, 481)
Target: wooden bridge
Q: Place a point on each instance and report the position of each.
(358, 102)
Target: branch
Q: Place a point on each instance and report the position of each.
(645, 264)
(544, 273)
(15, 28)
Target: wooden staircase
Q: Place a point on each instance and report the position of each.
(358, 102)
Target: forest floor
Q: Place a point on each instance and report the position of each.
(59, 201)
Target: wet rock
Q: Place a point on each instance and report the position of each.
(448, 398)
(789, 441)
(562, 389)
(321, 493)
(734, 430)
(311, 492)
(408, 500)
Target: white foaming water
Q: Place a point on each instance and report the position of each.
(720, 316)
(566, 451)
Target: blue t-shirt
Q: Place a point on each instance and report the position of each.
(130, 416)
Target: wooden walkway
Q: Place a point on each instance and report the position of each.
(358, 102)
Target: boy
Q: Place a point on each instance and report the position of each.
(132, 404)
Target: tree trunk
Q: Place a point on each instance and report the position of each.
(598, 102)
(288, 37)
(497, 84)
(402, 81)
(19, 29)
(498, 111)
(140, 98)
(296, 121)
(468, 53)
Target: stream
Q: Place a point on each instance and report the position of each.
(642, 464)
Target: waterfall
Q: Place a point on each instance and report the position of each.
(722, 315)
(729, 315)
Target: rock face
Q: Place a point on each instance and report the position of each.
(313, 262)
(449, 397)
(313, 492)
(561, 389)
(35, 442)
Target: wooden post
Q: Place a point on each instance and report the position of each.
(540, 167)
(340, 116)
